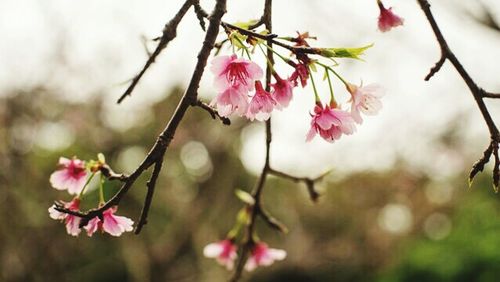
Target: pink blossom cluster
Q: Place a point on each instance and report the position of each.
(260, 254)
(241, 92)
(72, 176)
(331, 122)
(236, 77)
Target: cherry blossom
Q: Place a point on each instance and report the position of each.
(110, 223)
(365, 99)
(232, 71)
(232, 100)
(262, 255)
(301, 73)
(262, 104)
(72, 222)
(330, 123)
(282, 91)
(70, 176)
(387, 19)
(223, 251)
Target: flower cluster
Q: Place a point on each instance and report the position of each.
(260, 254)
(236, 78)
(241, 92)
(74, 176)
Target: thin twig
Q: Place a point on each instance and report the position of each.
(169, 33)
(212, 112)
(151, 184)
(475, 90)
(309, 182)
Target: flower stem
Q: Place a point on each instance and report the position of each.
(244, 47)
(101, 190)
(277, 54)
(86, 184)
(269, 63)
(334, 72)
(332, 97)
(316, 96)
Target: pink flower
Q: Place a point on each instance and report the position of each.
(262, 104)
(72, 222)
(230, 71)
(262, 255)
(300, 72)
(232, 100)
(71, 175)
(387, 19)
(282, 91)
(223, 251)
(330, 123)
(365, 100)
(111, 223)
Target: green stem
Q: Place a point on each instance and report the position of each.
(277, 54)
(86, 184)
(269, 63)
(318, 100)
(334, 72)
(101, 190)
(244, 47)
(332, 97)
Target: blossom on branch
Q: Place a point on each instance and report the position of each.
(110, 223)
(330, 123)
(387, 19)
(232, 100)
(365, 99)
(223, 251)
(262, 255)
(71, 175)
(301, 73)
(261, 105)
(72, 222)
(282, 91)
(232, 71)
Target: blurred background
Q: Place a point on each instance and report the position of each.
(396, 206)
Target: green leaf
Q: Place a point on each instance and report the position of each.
(246, 25)
(352, 53)
(101, 158)
(244, 197)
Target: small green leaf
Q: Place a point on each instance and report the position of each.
(244, 196)
(246, 25)
(313, 67)
(101, 158)
(352, 53)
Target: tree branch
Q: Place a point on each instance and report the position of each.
(151, 184)
(309, 182)
(169, 33)
(212, 112)
(157, 152)
(475, 90)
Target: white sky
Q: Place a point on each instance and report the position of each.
(100, 45)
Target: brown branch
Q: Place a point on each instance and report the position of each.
(490, 95)
(111, 175)
(151, 184)
(168, 34)
(478, 94)
(309, 182)
(271, 39)
(200, 14)
(212, 112)
(158, 150)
